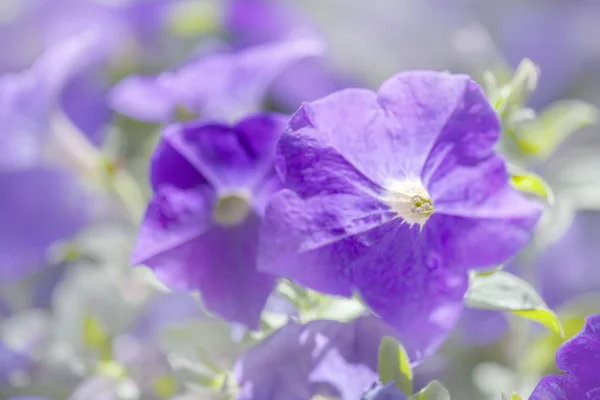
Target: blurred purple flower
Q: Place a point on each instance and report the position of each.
(124, 31)
(377, 391)
(10, 361)
(253, 22)
(200, 232)
(28, 398)
(222, 86)
(362, 169)
(29, 227)
(328, 356)
(579, 359)
(569, 268)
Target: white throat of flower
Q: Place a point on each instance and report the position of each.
(410, 201)
(232, 209)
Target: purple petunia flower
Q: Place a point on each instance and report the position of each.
(29, 227)
(222, 86)
(579, 358)
(396, 195)
(211, 184)
(328, 357)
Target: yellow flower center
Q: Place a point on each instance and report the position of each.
(232, 209)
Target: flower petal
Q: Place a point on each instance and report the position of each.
(174, 217)
(187, 252)
(405, 279)
(238, 157)
(28, 226)
(329, 356)
(221, 86)
(314, 241)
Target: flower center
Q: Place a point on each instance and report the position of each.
(410, 201)
(232, 209)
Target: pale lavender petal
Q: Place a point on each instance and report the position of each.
(329, 356)
(222, 86)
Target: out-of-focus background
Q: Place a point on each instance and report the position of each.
(78, 322)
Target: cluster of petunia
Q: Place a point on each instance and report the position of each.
(394, 198)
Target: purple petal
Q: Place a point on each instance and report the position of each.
(406, 279)
(83, 101)
(579, 359)
(174, 218)
(324, 242)
(166, 310)
(168, 167)
(340, 358)
(10, 361)
(179, 241)
(581, 354)
(26, 99)
(221, 86)
(238, 157)
(29, 227)
(576, 252)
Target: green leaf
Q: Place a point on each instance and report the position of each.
(93, 332)
(513, 95)
(514, 396)
(394, 365)
(506, 292)
(530, 183)
(193, 19)
(165, 386)
(433, 391)
(541, 136)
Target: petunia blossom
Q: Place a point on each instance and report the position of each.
(329, 357)
(28, 227)
(220, 86)
(396, 195)
(579, 358)
(211, 184)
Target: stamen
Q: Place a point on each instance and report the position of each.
(232, 209)
(410, 201)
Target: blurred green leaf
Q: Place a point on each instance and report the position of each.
(506, 292)
(531, 183)
(394, 365)
(193, 18)
(165, 386)
(94, 335)
(512, 96)
(541, 136)
(433, 391)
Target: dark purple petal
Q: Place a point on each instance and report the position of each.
(180, 242)
(28, 226)
(174, 218)
(221, 86)
(579, 358)
(338, 358)
(238, 157)
(168, 167)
